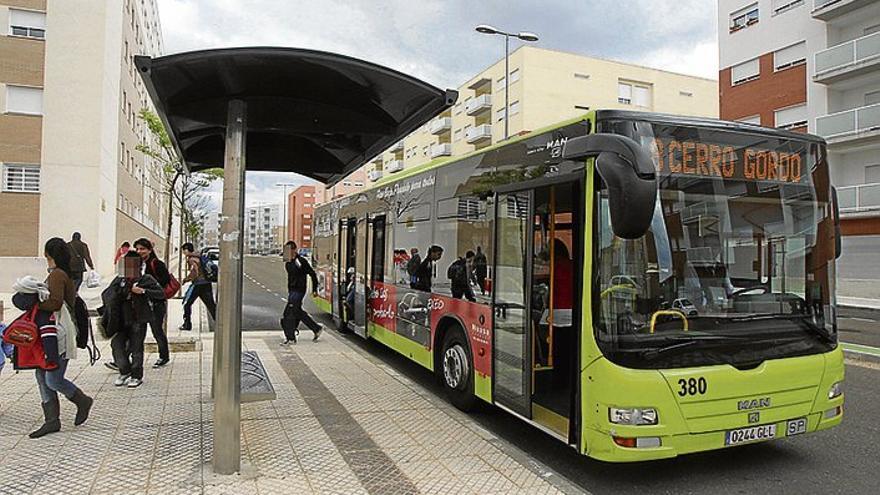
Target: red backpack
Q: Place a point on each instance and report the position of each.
(173, 284)
(23, 331)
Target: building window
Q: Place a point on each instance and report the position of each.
(578, 75)
(22, 99)
(514, 76)
(791, 117)
(872, 98)
(307, 195)
(744, 17)
(346, 183)
(686, 93)
(754, 119)
(499, 114)
(358, 184)
(634, 94)
(745, 72)
(514, 108)
(27, 23)
(780, 6)
(307, 216)
(456, 136)
(624, 93)
(790, 56)
(21, 178)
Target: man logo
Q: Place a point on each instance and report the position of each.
(745, 405)
(754, 417)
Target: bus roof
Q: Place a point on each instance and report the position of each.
(716, 124)
(604, 115)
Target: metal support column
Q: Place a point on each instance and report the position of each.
(227, 338)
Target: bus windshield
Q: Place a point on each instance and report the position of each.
(738, 265)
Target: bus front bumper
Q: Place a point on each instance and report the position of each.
(601, 445)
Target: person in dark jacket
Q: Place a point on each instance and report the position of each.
(129, 299)
(461, 275)
(426, 269)
(298, 268)
(52, 381)
(79, 258)
(156, 268)
(481, 269)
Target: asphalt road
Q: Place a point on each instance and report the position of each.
(843, 460)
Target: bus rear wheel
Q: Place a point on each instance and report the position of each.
(456, 370)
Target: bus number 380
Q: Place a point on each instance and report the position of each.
(692, 386)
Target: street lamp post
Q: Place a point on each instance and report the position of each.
(522, 35)
(285, 185)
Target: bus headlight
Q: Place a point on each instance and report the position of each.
(633, 416)
(835, 391)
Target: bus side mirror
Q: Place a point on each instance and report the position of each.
(838, 247)
(628, 171)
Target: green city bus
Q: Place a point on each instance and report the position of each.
(636, 285)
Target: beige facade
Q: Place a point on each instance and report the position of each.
(69, 97)
(545, 86)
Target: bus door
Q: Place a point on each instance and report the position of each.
(536, 333)
(376, 246)
(358, 323)
(346, 269)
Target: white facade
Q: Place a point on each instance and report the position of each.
(260, 224)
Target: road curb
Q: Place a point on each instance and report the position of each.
(860, 356)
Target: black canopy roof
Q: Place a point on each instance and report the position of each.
(319, 114)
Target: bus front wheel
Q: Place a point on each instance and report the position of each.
(457, 370)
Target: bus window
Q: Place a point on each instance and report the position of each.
(463, 225)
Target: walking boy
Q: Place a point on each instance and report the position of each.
(298, 268)
(129, 295)
(201, 286)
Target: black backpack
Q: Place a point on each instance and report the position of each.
(209, 268)
(457, 272)
(83, 322)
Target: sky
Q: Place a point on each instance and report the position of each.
(435, 39)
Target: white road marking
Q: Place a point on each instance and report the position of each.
(856, 318)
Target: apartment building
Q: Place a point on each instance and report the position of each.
(212, 229)
(260, 224)
(814, 66)
(301, 204)
(69, 97)
(544, 86)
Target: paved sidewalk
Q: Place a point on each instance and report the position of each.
(343, 422)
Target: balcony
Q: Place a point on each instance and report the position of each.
(441, 125)
(398, 146)
(478, 105)
(860, 199)
(478, 134)
(442, 149)
(393, 166)
(374, 175)
(850, 126)
(853, 58)
(827, 10)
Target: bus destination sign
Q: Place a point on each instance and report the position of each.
(694, 158)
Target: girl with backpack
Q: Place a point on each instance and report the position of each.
(53, 304)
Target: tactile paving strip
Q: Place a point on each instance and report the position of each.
(373, 468)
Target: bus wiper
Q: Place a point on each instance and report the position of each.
(803, 318)
(681, 342)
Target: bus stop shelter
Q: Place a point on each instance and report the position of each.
(318, 114)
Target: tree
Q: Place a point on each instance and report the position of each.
(184, 191)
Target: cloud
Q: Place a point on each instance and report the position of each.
(435, 39)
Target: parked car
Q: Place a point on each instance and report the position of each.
(685, 306)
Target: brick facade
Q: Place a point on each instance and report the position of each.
(772, 91)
